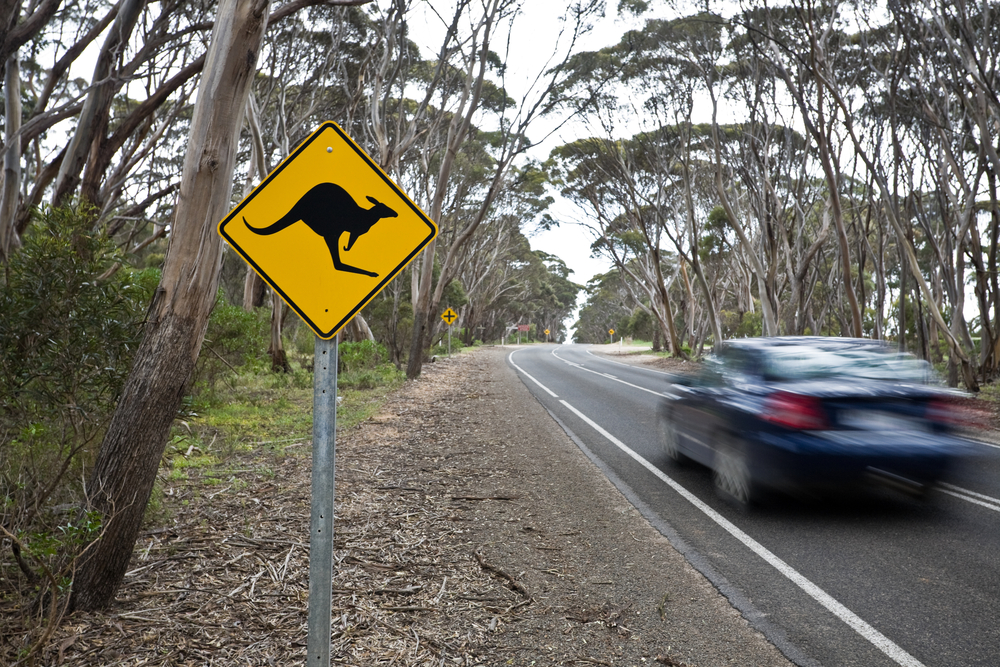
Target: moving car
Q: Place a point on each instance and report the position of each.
(812, 413)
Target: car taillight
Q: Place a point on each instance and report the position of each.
(954, 413)
(795, 411)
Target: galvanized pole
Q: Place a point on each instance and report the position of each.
(321, 521)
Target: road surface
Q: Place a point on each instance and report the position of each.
(868, 581)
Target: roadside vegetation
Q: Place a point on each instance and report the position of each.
(69, 331)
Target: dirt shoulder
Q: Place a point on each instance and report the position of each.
(470, 530)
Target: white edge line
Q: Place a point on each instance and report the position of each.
(883, 643)
(510, 358)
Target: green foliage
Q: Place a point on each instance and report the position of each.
(70, 326)
(236, 341)
(365, 355)
(364, 365)
(633, 7)
(72, 319)
(640, 325)
(742, 325)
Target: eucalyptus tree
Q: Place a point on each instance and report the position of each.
(953, 86)
(656, 63)
(611, 182)
(465, 81)
(130, 117)
(310, 72)
(122, 478)
(607, 306)
(870, 155)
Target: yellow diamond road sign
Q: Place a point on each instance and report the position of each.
(327, 229)
(449, 316)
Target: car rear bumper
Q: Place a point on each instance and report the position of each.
(833, 459)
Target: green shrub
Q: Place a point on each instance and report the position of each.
(385, 375)
(71, 321)
(354, 357)
(235, 341)
(364, 365)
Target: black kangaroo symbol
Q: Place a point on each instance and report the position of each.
(330, 210)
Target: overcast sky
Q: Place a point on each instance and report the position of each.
(532, 43)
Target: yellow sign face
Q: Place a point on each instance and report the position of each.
(449, 316)
(546, 332)
(327, 229)
(611, 331)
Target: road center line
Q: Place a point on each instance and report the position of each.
(970, 496)
(622, 363)
(605, 375)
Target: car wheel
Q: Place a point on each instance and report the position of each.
(731, 471)
(670, 441)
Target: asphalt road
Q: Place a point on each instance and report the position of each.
(878, 579)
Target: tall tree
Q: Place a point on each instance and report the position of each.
(123, 475)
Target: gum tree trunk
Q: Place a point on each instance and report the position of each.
(126, 466)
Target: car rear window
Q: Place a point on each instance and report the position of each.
(813, 363)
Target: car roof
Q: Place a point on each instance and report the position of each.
(824, 342)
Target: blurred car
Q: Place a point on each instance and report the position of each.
(814, 414)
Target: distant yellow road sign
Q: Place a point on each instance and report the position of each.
(327, 229)
(546, 332)
(449, 316)
(611, 331)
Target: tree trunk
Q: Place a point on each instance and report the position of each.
(97, 107)
(279, 360)
(126, 466)
(421, 307)
(254, 290)
(9, 200)
(357, 330)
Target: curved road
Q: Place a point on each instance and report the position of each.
(867, 581)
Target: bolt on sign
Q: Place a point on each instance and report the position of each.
(327, 229)
(449, 316)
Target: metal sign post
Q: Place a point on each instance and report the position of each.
(321, 519)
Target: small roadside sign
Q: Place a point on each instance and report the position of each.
(449, 316)
(611, 331)
(546, 332)
(327, 229)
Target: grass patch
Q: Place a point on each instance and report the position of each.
(238, 427)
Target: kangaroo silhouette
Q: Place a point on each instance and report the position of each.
(330, 210)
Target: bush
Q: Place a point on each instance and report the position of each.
(236, 340)
(71, 323)
(353, 357)
(363, 365)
